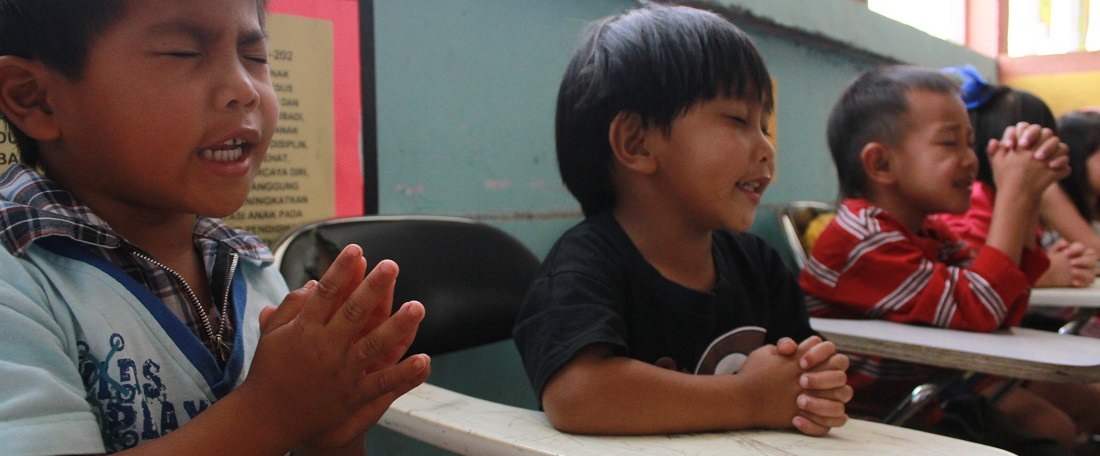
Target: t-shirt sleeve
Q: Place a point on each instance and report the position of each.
(572, 304)
(43, 409)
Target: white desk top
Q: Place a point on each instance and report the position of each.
(1016, 352)
(472, 426)
(1067, 297)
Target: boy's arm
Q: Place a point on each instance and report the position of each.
(865, 265)
(1026, 162)
(598, 392)
(1022, 175)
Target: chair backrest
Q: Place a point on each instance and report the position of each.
(471, 277)
(794, 218)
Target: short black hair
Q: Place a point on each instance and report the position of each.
(1080, 130)
(875, 108)
(654, 61)
(1006, 107)
(58, 33)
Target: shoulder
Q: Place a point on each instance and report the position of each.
(35, 270)
(860, 228)
(859, 224)
(35, 294)
(861, 219)
(595, 244)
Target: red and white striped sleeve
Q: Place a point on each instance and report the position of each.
(866, 265)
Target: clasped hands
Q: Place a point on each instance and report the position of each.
(330, 354)
(1008, 156)
(823, 387)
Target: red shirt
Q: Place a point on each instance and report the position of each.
(866, 264)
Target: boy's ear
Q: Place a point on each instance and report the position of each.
(23, 98)
(876, 163)
(627, 136)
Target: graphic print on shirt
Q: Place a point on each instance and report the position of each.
(131, 405)
(727, 353)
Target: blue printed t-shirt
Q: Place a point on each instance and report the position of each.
(98, 352)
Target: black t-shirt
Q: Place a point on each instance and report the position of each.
(596, 288)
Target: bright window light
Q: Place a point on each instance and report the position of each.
(944, 19)
(1042, 27)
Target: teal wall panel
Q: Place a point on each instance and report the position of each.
(466, 92)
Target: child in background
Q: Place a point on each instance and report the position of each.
(900, 139)
(132, 321)
(662, 136)
(1080, 131)
(1059, 202)
(991, 110)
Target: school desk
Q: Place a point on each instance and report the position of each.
(472, 426)
(1015, 352)
(1086, 300)
(1088, 297)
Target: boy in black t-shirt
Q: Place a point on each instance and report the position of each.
(662, 136)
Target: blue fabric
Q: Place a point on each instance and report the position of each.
(973, 88)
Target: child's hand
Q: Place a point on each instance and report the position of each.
(786, 346)
(1071, 265)
(825, 387)
(326, 364)
(1024, 136)
(408, 374)
(772, 378)
(1032, 164)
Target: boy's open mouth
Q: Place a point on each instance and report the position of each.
(754, 186)
(229, 151)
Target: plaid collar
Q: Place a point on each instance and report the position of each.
(33, 207)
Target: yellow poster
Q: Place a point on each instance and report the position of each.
(8, 154)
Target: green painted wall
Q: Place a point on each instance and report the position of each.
(466, 90)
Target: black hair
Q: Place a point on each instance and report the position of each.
(1006, 107)
(59, 34)
(875, 108)
(1081, 132)
(654, 61)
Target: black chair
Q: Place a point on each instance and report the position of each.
(471, 277)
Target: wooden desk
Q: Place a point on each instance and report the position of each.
(1017, 352)
(471, 426)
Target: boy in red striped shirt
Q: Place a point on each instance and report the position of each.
(901, 142)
